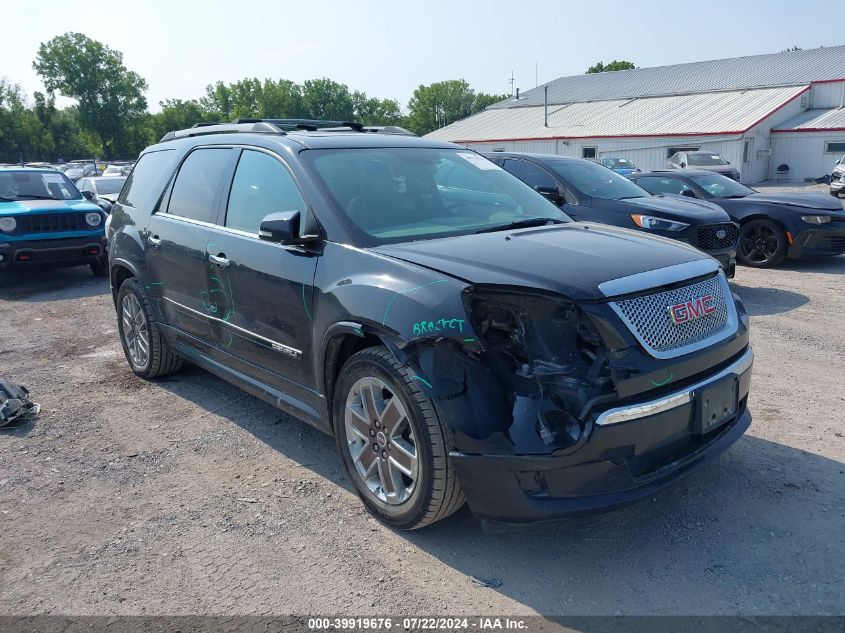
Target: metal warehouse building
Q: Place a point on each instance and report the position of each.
(759, 112)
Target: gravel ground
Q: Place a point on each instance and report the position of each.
(186, 496)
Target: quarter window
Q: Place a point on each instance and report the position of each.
(261, 186)
(195, 189)
(144, 185)
(530, 174)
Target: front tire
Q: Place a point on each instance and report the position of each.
(100, 268)
(392, 443)
(762, 244)
(143, 342)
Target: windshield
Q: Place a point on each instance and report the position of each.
(617, 163)
(705, 159)
(721, 186)
(591, 179)
(34, 185)
(110, 185)
(403, 194)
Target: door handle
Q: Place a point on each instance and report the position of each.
(219, 260)
(154, 241)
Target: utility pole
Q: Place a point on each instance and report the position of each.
(510, 81)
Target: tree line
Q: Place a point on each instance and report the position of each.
(110, 117)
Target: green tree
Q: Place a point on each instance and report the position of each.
(601, 67)
(445, 102)
(327, 99)
(109, 96)
(374, 111)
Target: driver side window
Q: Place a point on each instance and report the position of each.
(261, 186)
(663, 185)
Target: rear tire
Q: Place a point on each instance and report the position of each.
(143, 342)
(392, 442)
(762, 244)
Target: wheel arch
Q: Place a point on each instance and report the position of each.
(120, 271)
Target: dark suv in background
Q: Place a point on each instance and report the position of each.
(590, 192)
(456, 332)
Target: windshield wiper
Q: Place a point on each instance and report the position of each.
(521, 224)
(34, 196)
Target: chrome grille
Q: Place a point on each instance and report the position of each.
(649, 318)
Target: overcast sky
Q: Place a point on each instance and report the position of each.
(388, 48)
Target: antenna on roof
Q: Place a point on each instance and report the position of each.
(510, 81)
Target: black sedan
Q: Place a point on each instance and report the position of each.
(773, 226)
(589, 192)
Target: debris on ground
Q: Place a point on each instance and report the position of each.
(15, 404)
(492, 583)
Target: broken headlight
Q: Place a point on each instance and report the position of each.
(545, 351)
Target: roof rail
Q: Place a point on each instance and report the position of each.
(200, 129)
(311, 125)
(388, 129)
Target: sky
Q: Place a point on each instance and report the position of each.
(387, 49)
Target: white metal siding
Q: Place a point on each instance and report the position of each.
(804, 153)
(829, 95)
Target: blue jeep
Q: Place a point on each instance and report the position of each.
(44, 219)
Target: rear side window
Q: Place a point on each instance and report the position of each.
(147, 180)
(261, 186)
(530, 174)
(195, 190)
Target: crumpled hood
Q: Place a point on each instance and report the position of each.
(20, 207)
(819, 201)
(679, 208)
(569, 259)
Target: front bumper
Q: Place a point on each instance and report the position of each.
(63, 251)
(631, 452)
(819, 241)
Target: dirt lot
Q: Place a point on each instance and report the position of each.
(185, 496)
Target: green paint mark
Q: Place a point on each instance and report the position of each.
(433, 327)
(665, 382)
(423, 381)
(469, 340)
(229, 344)
(359, 332)
(305, 303)
(402, 292)
(157, 283)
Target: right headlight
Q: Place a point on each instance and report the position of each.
(8, 224)
(816, 219)
(652, 223)
(93, 219)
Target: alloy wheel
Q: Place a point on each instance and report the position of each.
(135, 331)
(381, 441)
(759, 243)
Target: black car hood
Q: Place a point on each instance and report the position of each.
(808, 200)
(678, 208)
(570, 259)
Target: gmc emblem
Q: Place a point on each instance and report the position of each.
(692, 309)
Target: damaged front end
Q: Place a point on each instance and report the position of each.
(553, 406)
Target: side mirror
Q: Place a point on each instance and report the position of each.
(549, 193)
(683, 165)
(689, 193)
(88, 195)
(284, 227)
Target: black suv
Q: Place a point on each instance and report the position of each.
(459, 336)
(589, 192)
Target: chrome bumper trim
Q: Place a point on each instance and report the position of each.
(674, 400)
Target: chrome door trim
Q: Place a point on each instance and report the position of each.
(279, 347)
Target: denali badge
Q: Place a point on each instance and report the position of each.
(692, 309)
